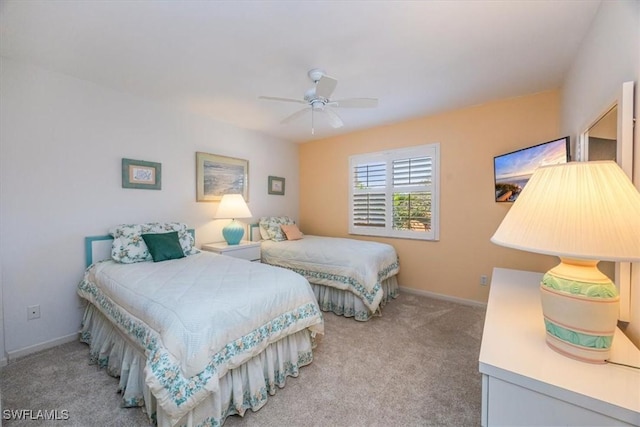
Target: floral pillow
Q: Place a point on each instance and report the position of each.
(270, 227)
(264, 233)
(129, 247)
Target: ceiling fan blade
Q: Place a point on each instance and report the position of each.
(355, 103)
(325, 86)
(275, 98)
(334, 120)
(294, 115)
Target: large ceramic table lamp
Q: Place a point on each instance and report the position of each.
(233, 206)
(582, 212)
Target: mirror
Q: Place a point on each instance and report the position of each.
(610, 137)
(602, 137)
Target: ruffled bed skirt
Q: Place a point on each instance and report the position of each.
(245, 387)
(347, 304)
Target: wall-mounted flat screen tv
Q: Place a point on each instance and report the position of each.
(513, 170)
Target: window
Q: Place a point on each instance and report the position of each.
(395, 193)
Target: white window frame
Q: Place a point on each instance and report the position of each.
(427, 150)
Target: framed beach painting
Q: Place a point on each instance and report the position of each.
(219, 175)
(141, 174)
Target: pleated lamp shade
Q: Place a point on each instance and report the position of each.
(233, 206)
(582, 212)
(586, 210)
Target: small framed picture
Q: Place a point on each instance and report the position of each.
(142, 175)
(276, 185)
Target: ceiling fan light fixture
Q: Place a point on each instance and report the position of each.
(319, 97)
(310, 94)
(315, 74)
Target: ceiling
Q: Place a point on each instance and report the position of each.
(216, 57)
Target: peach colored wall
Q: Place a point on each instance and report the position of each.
(469, 139)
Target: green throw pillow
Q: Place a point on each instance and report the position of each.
(163, 246)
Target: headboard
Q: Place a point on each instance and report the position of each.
(98, 248)
(254, 233)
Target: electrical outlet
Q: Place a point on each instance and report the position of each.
(483, 280)
(33, 312)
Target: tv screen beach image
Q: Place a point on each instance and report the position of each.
(513, 170)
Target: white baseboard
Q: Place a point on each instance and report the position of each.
(443, 297)
(12, 355)
(3, 362)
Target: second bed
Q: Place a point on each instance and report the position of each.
(351, 278)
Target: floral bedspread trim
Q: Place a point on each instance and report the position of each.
(341, 310)
(362, 315)
(389, 270)
(259, 398)
(175, 393)
(355, 286)
(370, 298)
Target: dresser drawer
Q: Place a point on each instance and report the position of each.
(245, 250)
(250, 253)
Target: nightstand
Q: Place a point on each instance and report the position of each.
(245, 250)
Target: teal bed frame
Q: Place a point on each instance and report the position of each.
(90, 240)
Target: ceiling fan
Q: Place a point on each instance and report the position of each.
(318, 100)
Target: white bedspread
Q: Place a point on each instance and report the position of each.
(199, 316)
(354, 265)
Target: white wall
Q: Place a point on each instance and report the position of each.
(606, 59)
(609, 56)
(634, 327)
(3, 358)
(60, 162)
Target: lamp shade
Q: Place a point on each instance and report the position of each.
(584, 210)
(232, 206)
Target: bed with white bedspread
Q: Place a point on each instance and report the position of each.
(351, 278)
(198, 338)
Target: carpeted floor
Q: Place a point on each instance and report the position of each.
(416, 365)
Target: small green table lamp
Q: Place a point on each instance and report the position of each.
(233, 206)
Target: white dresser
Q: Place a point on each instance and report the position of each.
(525, 383)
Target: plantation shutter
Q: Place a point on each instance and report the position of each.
(409, 172)
(369, 198)
(395, 193)
(411, 195)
